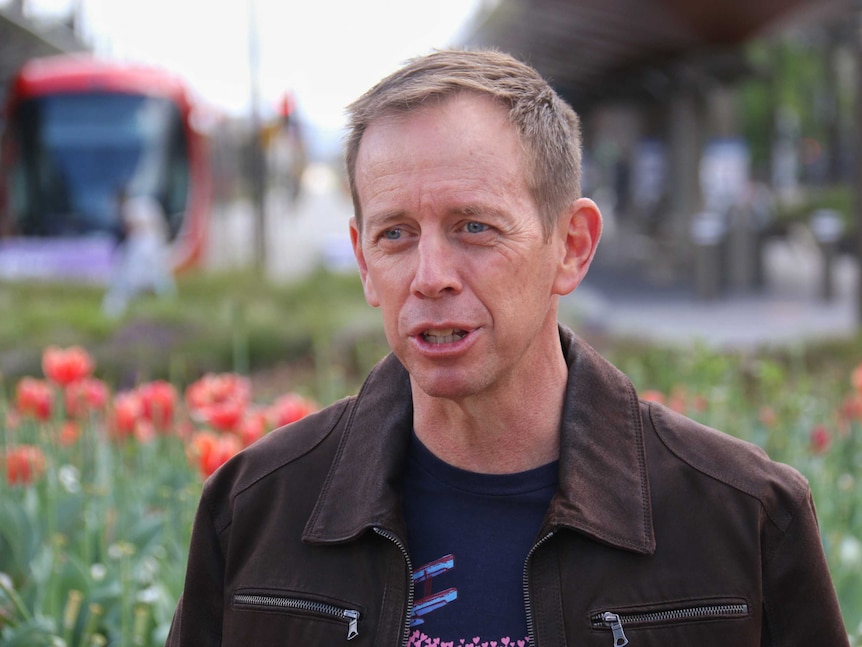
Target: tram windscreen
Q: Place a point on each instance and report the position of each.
(77, 152)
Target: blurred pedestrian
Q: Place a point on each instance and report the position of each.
(495, 481)
(143, 255)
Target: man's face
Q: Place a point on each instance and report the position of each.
(452, 248)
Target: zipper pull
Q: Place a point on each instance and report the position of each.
(353, 627)
(616, 624)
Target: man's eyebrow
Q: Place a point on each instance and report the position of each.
(478, 210)
(384, 219)
(472, 210)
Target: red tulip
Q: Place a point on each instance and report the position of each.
(200, 444)
(144, 431)
(34, 398)
(651, 395)
(70, 431)
(289, 408)
(856, 378)
(209, 451)
(821, 439)
(224, 416)
(158, 401)
(215, 388)
(253, 427)
(65, 366)
(126, 411)
(86, 396)
(700, 403)
(678, 403)
(24, 464)
(851, 408)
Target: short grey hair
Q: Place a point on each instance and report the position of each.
(548, 127)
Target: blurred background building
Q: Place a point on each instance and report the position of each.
(710, 126)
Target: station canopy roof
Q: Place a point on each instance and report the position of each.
(22, 39)
(593, 51)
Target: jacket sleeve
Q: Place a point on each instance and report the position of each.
(197, 620)
(800, 604)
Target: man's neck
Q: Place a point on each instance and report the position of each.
(512, 430)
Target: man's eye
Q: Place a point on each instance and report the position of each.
(475, 227)
(392, 234)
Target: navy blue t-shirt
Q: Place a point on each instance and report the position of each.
(468, 536)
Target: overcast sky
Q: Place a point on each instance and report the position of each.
(326, 52)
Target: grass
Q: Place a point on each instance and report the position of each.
(218, 322)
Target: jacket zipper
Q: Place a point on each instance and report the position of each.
(615, 621)
(528, 605)
(281, 602)
(397, 541)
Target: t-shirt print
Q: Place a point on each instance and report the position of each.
(427, 600)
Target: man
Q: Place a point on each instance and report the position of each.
(494, 482)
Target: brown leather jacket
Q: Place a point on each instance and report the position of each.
(663, 532)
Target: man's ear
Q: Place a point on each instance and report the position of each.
(367, 283)
(580, 229)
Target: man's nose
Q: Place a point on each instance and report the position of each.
(437, 270)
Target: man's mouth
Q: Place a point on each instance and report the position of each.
(443, 335)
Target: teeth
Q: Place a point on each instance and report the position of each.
(443, 335)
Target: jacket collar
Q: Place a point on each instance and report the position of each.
(603, 493)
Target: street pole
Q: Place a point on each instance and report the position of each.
(256, 161)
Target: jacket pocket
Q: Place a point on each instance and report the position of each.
(617, 620)
(284, 602)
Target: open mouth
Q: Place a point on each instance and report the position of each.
(443, 335)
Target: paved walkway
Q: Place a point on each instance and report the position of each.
(612, 300)
(788, 310)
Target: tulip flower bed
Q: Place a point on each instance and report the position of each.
(98, 488)
(97, 494)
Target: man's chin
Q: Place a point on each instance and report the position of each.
(446, 386)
